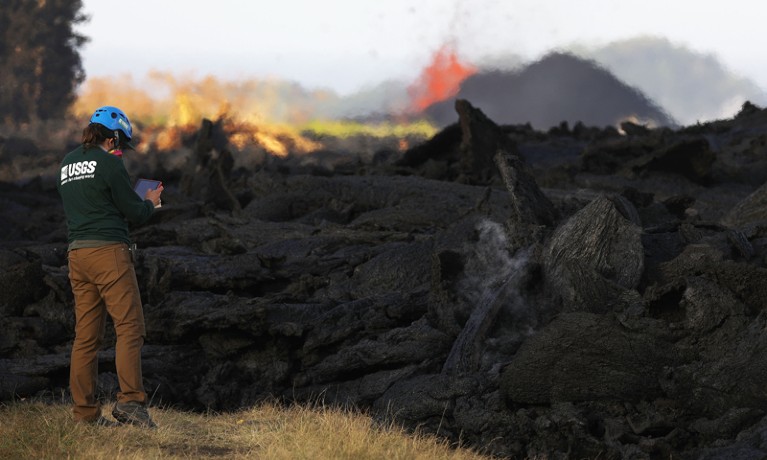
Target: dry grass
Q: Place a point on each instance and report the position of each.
(34, 430)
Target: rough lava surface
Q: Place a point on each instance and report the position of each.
(580, 292)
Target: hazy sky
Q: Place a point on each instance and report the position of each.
(348, 44)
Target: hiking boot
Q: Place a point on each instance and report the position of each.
(100, 421)
(133, 413)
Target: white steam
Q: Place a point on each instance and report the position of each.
(494, 274)
(490, 264)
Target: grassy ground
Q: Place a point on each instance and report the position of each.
(34, 430)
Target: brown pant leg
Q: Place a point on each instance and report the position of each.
(123, 302)
(110, 270)
(90, 316)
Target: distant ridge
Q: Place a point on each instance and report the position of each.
(691, 86)
(559, 87)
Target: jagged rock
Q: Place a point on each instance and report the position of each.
(531, 206)
(611, 155)
(707, 306)
(480, 141)
(207, 173)
(28, 375)
(427, 398)
(690, 158)
(443, 146)
(12, 147)
(634, 129)
(595, 259)
(636, 287)
(739, 278)
(728, 425)
(586, 357)
(751, 211)
(20, 281)
(465, 355)
(735, 347)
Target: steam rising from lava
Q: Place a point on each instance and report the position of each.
(489, 267)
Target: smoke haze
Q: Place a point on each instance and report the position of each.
(689, 86)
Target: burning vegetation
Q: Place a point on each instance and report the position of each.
(276, 116)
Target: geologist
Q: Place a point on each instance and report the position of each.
(99, 203)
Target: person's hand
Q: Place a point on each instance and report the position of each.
(154, 196)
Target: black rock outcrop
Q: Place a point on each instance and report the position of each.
(579, 293)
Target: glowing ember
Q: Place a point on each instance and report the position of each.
(440, 80)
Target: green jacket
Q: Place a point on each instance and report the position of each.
(98, 196)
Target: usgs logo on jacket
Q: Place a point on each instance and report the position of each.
(77, 171)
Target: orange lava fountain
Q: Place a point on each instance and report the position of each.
(439, 80)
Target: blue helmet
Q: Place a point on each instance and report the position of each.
(113, 119)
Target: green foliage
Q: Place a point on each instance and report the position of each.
(40, 66)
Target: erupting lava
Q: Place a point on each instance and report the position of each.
(440, 80)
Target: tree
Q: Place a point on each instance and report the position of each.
(40, 65)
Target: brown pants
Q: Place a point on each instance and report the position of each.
(103, 281)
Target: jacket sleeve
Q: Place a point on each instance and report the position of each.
(134, 208)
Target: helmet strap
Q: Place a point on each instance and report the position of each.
(116, 147)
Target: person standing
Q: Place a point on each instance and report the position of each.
(99, 203)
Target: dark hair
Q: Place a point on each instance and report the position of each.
(95, 134)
